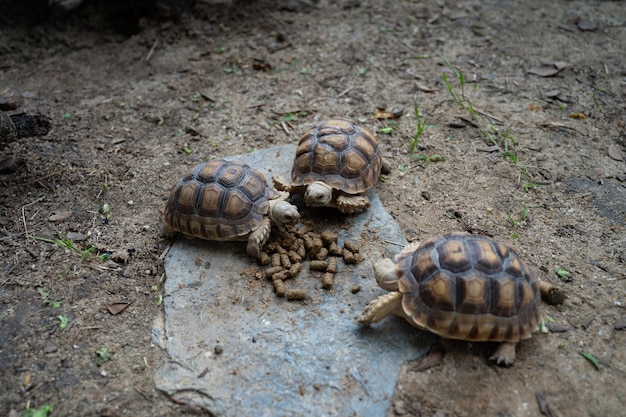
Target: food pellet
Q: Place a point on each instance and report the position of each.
(275, 259)
(301, 251)
(281, 276)
(348, 257)
(351, 246)
(328, 237)
(334, 249)
(322, 254)
(318, 265)
(293, 256)
(332, 265)
(279, 286)
(264, 258)
(328, 280)
(295, 268)
(284, 260)
(269, 272)
(295, 294)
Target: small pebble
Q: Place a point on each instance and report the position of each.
(355, 289)
(557, 327)
(218, 349)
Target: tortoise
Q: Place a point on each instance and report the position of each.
(336, 162)
(227, 200)
(23, 125)
(462, 286)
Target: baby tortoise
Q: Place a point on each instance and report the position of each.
(227, 200)
(22, 125)
(336, 162)
(461, 286)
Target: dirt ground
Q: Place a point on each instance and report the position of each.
(532, 160)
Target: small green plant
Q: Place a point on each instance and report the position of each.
(501, 139)
(531, 186)
(462, 101)
(63, 322)
(68, 244)
(428, 159)
(387, 130)
(363, 70)
(516, 222)
(563, 274)
(289, 117)
(421, 125)
(37, 412)
(103, 355)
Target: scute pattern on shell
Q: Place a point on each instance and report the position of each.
(219, 200)
(469, 287)
(340, 153)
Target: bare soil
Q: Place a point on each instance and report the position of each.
(133, 109)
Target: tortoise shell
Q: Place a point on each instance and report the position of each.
(219, 200)
(339, 153)
(469, 287)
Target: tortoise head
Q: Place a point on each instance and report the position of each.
(318, 194)
(386, 274)
(282, 212)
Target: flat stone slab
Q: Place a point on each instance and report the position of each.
(237, 349)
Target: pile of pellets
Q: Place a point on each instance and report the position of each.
(290, 248)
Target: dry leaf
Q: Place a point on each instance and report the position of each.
(261, 65)
(117, 308)
(544, 406)
(425, 89)
(60, 216)
(381, 113)
(548, 70)
(534, 107)
(615, 153)
(433, 358)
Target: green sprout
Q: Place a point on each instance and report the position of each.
(63, 322)
(428, 159)
(421, 124)
(37, 412)
(531, 186)
(564, 274)
(103, 355)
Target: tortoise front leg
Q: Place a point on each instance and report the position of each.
(351, 204)
(381, 307)
(258, 238)
(504, 354)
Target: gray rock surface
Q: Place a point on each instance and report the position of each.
(236, 349)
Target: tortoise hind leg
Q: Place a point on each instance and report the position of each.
(504, 354)
(351, 204)
(257, 239)
(551, 294)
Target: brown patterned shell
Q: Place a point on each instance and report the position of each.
(468, 287)
(339, 153)
(219, 200)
